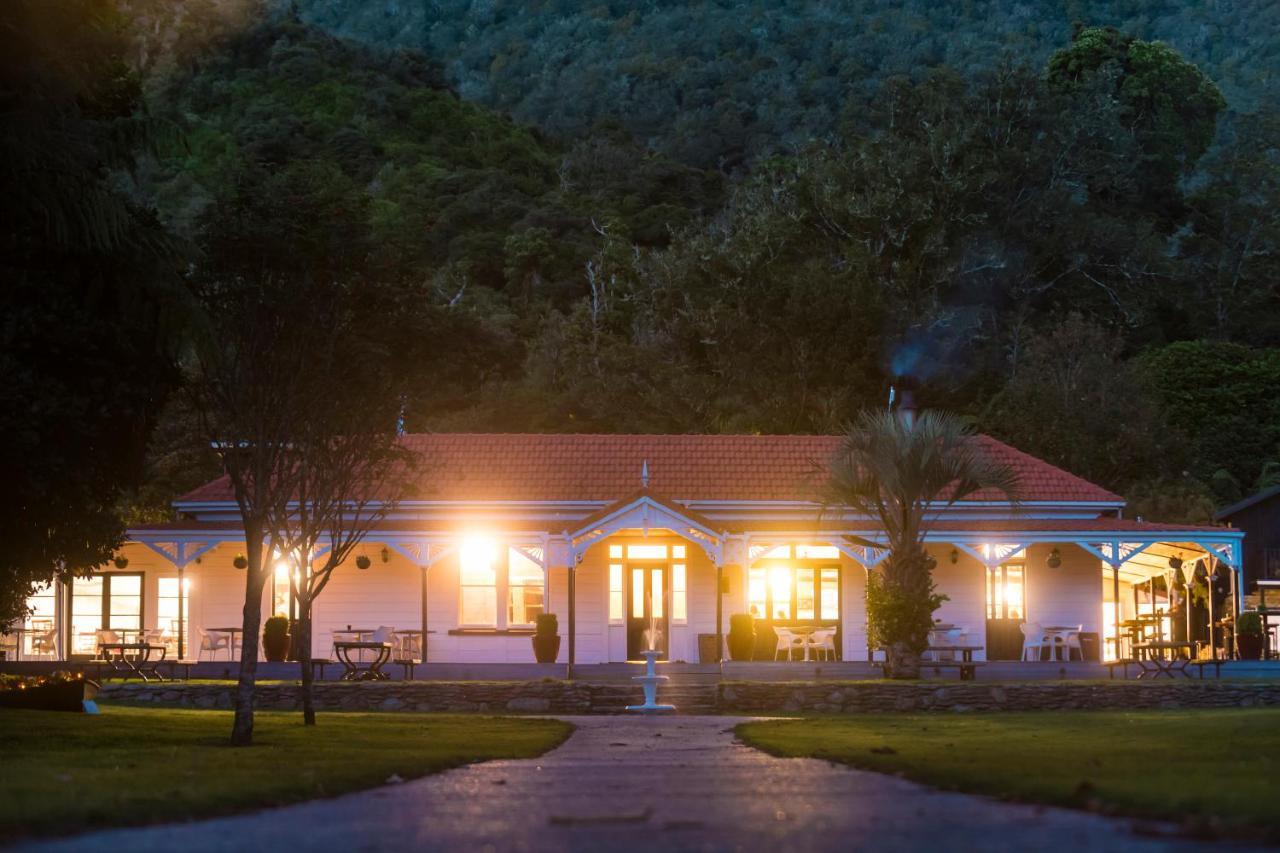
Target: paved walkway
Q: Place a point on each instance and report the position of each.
(634, 783)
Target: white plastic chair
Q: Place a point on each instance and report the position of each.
(823, 642)
(1033, 639)
(212, 642)
(1072, 641)
(787, 642)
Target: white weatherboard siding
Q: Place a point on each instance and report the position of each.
(853, 604)
(384, 594)
(1067, 595)
(964, 584)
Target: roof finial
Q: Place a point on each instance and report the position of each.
(644, 474)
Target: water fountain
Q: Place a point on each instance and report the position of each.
(650, 680)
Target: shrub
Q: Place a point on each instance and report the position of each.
(1249, 625)
(547, 624)
(276, 627)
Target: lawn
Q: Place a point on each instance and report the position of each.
(63, 772)
(1215, 771)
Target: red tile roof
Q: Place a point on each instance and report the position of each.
(536, 467)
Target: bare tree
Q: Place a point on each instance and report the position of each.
(302, 403)
(351, 473)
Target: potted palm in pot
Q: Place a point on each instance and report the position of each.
(546, 640)
(899, 468)
(275, 638)
(1249, 636)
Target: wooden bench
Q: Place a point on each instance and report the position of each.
(183, 664)
(1123, 663)
(407, 664)
(967, 668)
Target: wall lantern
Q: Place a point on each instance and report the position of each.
(955, 556)
(1055, 559)
(240, 562)
(386, 554)
(362, 562)
(121, 561)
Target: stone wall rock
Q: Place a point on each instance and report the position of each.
(550, 696)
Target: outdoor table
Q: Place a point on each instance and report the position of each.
(1153, 660)
(357, 635)
(351, 669)
(139, 663)
(18, 632)
(967, 665)
(234, 633)
(1053, 632)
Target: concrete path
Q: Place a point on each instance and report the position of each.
(658, 783)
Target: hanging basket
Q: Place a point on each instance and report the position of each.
(363, 562)
(240, 562)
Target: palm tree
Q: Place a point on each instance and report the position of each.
(899, 471)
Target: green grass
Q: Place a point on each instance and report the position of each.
(1214, 771)
(64, 772)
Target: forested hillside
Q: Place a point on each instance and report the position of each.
(636, 220)
(717, 82)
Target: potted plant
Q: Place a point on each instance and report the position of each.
(1249, 636)
(121, 561)
(742, 636)
(546, 640)
(275, 638)
(240, 561)
(363, 562)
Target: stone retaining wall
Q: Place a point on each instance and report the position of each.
(878, 696)
(758, 697)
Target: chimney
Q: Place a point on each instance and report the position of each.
(907, 406)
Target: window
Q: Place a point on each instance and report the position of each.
(615, 589)
(44, 609)
(786, 593)
(489, 573)
(479, 582)
(524, 589)
(110, 600)
(167, 611)
(646, 552)
(679, 593)
(1005, 592)
(817, 552)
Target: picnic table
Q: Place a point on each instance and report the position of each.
(1159, 657)
(130, 659)
(356, 670)
(966, 664)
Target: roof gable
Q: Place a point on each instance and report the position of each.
(520, 467)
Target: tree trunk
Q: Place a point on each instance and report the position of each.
(304, 660)
(902, 662)
(251, 624)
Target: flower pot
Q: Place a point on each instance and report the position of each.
(742, 645)
(546, 647)
(276, 646)
(1250, 647)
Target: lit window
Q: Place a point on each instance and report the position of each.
(1005, 592)
(615, 552)
(757, 594)
(637, 595)
(44, 609)
(657, 604)
(615, 591)
(646, 552)
(677, 552)
(679, 593)
(780, 592)
(524, 588)
(805, 594)
(479, 582)
(830, 594)
(777, 552)
(167, 611)
(817, 552)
